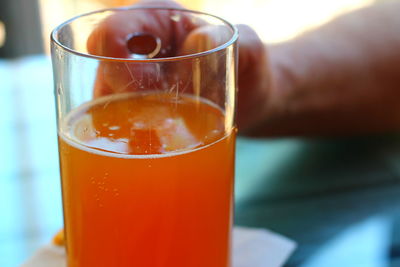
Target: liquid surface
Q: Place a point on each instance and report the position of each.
(147, 181)
(146, 124)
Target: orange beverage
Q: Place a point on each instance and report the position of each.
(147, 182)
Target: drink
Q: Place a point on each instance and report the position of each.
(147, 181)
(147, 178)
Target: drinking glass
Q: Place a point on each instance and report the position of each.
(145, 115)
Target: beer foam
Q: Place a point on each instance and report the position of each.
(98, 151)
(67, 127)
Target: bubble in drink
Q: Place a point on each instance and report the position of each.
(147, 124)
(169, 166)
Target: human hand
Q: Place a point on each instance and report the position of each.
(184, 37)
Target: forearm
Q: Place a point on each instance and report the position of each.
(341, 78)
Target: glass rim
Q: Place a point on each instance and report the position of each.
(232, 40)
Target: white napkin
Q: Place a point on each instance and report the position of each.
(251, 248)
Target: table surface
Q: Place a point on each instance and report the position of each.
(338, 198)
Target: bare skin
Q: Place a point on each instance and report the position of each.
(342, 78)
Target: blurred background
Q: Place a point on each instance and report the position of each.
(30, 196)
(25, 25)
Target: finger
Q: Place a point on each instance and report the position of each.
(254, 79)
(117, 77)
(110, 39)
(253, 71)
(205, 38)
(207, 75)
